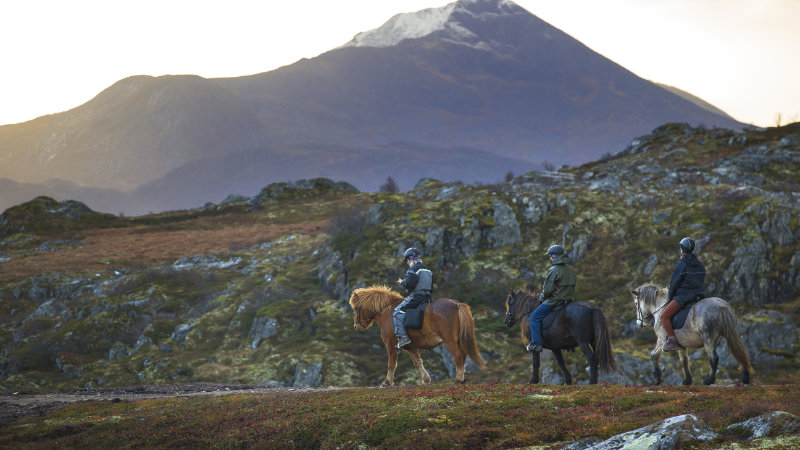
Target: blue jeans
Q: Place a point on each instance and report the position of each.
(536, 322)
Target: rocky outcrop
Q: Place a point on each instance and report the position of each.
(308, 374)
(449, 363)
(689, 431)
(263, 327)
(777, 423)
(769, 337)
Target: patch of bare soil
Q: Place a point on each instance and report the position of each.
(23, 405)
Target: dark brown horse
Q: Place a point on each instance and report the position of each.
(577, 325)
(446, 321)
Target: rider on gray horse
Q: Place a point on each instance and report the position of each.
(684, 286)
(559, 285)
(418, 282)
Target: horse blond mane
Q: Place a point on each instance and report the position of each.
(649, 293)
(374, 299)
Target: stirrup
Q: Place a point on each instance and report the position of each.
(402, 341)
(533, 347)
(671, 345)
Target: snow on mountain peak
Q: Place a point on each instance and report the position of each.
(432, 20)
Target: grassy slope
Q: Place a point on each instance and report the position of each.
(443, 416)
(314, 327)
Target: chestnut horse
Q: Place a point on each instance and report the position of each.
(576, 325)
(445, 321)
(709, 320)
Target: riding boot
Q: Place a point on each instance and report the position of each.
(671, 345)
(533, 347)
(402, 341)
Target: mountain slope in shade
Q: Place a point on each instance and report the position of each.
(480, 74)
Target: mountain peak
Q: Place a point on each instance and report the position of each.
(445, 22)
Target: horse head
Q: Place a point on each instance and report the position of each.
(511, 301)
(644, 298)
(360, 321)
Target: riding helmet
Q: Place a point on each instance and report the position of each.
(555, 250)
(411, 252)
(687, 245)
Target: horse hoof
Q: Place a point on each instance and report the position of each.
(708, 382)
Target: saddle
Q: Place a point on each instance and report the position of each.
(548, 320)
(679, 319)
(413, 316)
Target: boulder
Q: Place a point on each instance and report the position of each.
(506, 232)
(179, 335)
(118, 351)
(768, 337)
(450, 365)
(652, 262)
(262, 328)
(674, 432)
(308, 374)
(776, 423)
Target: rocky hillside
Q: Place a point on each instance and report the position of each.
(255, 289)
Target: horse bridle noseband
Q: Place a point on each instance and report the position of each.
(359, 321)
(512, 307)
(640, 315)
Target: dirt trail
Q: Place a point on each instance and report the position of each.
(23, 405)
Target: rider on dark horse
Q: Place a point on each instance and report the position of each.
(559, 285)
(684, 286)
(418, 283)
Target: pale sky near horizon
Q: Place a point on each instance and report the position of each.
(742, 56)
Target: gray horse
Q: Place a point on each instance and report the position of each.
(709, 320)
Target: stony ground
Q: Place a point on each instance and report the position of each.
(22, 405)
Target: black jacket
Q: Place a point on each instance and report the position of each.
(418, 282)
(687, 279)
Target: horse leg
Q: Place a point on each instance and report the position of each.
(587, 351)
(417, 360)
(560, 360)
(713, 359)
(683, 354)
(392, 365)
(459, 358)
(535, 361)
(655, 354)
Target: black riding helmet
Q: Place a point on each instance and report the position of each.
(411, 252)
(555, 250)
(687, 245)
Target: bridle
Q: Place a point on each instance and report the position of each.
(511, 311)
(510, 316)
(359, 319)
(640, 316)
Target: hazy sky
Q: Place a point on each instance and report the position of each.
(742, 56)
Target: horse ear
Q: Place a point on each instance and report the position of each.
(636, 293)
(511, 292)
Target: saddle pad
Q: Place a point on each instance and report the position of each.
(679, 319)
(413, 317)
(551, 316)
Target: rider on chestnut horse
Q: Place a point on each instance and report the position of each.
(418, 282)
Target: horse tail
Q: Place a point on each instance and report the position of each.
(466, 335)
(730, 331)
(602, 342)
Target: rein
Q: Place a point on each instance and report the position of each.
(640, 315)
(512, 306)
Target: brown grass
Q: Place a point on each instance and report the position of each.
(150, 246)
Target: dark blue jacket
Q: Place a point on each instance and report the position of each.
(687, 279)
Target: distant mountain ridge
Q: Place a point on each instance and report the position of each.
(479, 74)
